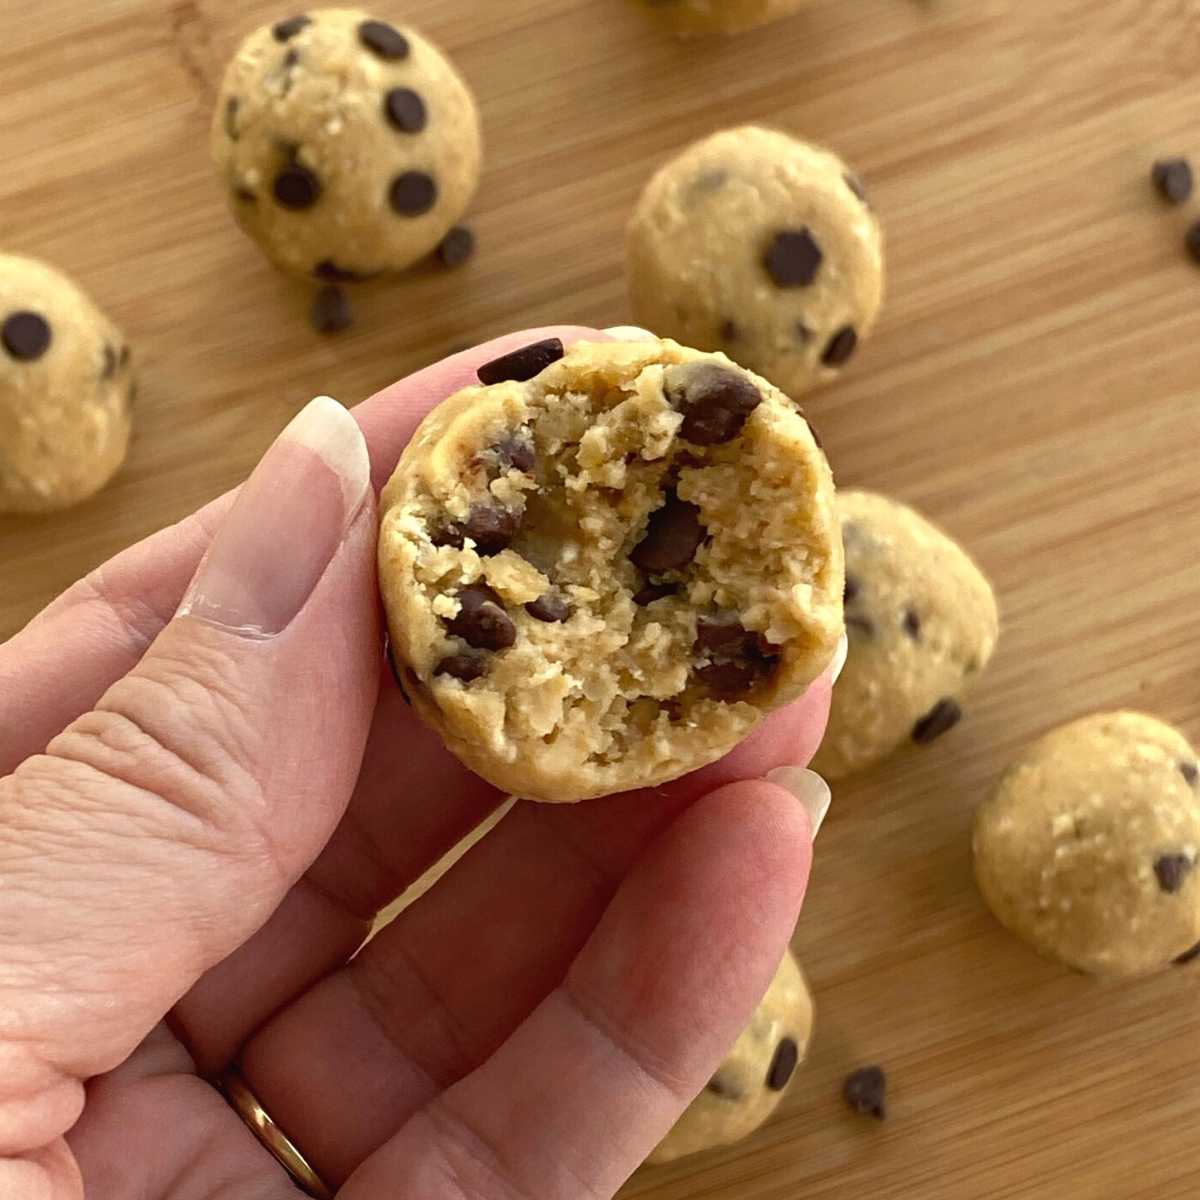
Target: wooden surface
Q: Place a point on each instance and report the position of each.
(1035, 385)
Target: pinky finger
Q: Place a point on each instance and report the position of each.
(46, 1174)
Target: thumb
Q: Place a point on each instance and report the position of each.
(162, 828)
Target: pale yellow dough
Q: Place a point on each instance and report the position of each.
(690, 17)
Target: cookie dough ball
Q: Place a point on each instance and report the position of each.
(720, 16)
(66, 390)
(762, 246)
(753, 1079)
(922, 623)
(1088, 848)
(348, 146)
(606, 576)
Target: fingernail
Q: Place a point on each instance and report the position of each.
(631, 333)
(285, 526)
(809, 788)
(838, 665)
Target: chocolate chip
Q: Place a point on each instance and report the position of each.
(516, 451)
(718, 1086)
(723, 636)
(232, 105)
(406, 110)
(1173, 179)
(521, 365)
(26, 336)
(716, 402)
(466, 667)
(390, 655)
(912, 624)
(860, 625)
(1188, 956)
(413, 193)
(654, 591)
(787, 1055)
(855, 184)
(729, 678)
(673, 536)
(1172, 871)
(110, 362)
(793, 258)
(449, 535)
(553, 608)
(941, 718)
(865, 1091)
(244, 195)
(456, 247)
(482, 622)
(492, 528)
(383, 39)
(331, 310)
(291, 60)
(851, 590)
(730, 331)
(286, 30)
(296, 187)
(328, 269)
(1190, 772)
(841, 347)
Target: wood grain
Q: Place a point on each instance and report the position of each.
(1035, 385)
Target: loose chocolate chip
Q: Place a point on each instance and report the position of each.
(673, 536)
(730, 331)
(718, 1086)
(328, 269)
(516, 451)
(1190, 772)
(856, 185)
(793, 258)
(723, 636)
(521, 365)
(912, 624)
(492, 528)
(466, 667)
(865, 1091)
(244, 195)
(390, 655)
(456, 247)
(231, 115)
(852, 589)
(553, 608)
(787, 1055)
(331, 310)
(110, 362)
(1172, 871)
(286, 30)
(804, 335)
(941, 718)
(383, 39)
(716, 403)
(654, 591)
(841, 347)
(1173, 179)
(413, 193)
(1188, 956)
(482, 622)
(860, 625)
(406, 110)
(729, 678)
(26, 336)
(296, 187)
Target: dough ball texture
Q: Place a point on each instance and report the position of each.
(348, 146)
(691, 17)
(604, 576)
(1088, 848)
(762, 246)
(66, 390)
(922, 623)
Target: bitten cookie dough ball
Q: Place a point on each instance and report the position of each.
(720, 16)
(753, 1079)
(1088, 848)
(348, 146)
(762, 246)
(922, 624)
(66, 390)
(606, 576)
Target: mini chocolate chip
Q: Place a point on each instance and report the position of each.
(793, 258)
(730, 331)
(296, 187)
(286, 30)
(390, 655)
(244, 195)
(841, 347)
(553, 608)
(1172, 871)
(654, 591)
(673, 536)
(383, 39)
(860, 625)
(1188, 956)
(521, 365)
(231, 115)
(109, 369)
(855, 184)
(1173, 179)
(804, 335)
(787, 1055)
(406, 110)
(723, 1088)
(331, 310)
(26, 336)
(482, 622)
(1190, 772)
(716, 403)
(492, 528)
(516, 451)
(466, 667)
(852, 589)
(912, 624)
(941, 718)
(724, 636)
(456, 247)
(413, 194)
(328, 269)
(865, 1091)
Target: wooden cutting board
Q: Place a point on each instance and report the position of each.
(1035, 386)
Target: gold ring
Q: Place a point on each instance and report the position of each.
(245, 1103)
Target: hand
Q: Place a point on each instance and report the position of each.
(205, 806)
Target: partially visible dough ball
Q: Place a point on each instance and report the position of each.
(752, 1081)
(922, 623)
(720, 16)
(762, 246)
(65, 390)
(348, 146)
(1088, 848)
